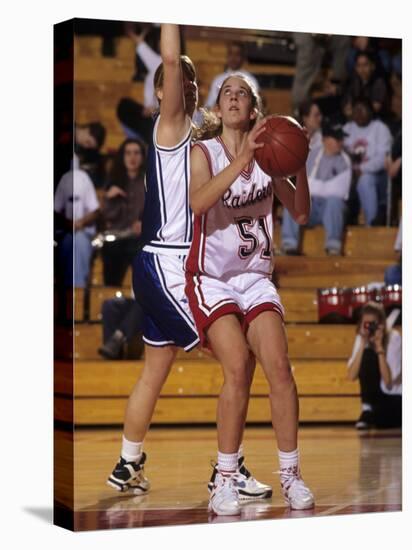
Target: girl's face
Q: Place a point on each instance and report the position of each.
(313, 120)
(235, 103)
(133, 157)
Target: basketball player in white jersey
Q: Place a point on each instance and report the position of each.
(158, 272)
(234, 303)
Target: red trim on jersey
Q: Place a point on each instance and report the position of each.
(206, 153)
(197, 249)
(202, 320)
(246, 172)
(260, 308)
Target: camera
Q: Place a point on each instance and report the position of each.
(371, 327)
(356, 158)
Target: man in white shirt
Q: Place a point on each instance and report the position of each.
(234, 62)
(76, 207)
(368, 142)
(329, 176)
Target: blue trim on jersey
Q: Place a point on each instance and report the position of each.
(186, 198)
(171, 149)
(152, 221)
(169, 245)
(162, 191)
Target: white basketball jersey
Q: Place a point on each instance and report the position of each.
(235, 235)
(167, 217)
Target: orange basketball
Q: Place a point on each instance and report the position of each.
(285, 147)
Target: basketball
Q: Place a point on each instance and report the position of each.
(285, 147)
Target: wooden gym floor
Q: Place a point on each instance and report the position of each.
(348, 471)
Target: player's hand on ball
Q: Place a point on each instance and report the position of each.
(250, 145)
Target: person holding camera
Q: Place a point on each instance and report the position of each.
(376, 362)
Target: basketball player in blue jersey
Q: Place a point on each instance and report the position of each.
(158, 270)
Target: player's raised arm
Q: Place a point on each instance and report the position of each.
(174, 122)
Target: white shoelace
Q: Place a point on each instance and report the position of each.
(226, 486)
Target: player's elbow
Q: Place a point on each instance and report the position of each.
(197, 207)
(170, 59)
(302, 219)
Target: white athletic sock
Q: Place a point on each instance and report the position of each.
(227, 463)
(240, 451)
(131, 450)
(366, 407)
(289, 464)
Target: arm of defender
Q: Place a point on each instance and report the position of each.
(174, 123)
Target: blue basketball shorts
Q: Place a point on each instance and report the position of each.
(159, 287)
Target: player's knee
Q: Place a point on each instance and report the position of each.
(280, 373)
(237, 372)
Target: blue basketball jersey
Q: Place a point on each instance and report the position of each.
(167, 217)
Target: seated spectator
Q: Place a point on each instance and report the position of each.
(88, 140)
(122, 326)
(376, 362)
(329, 178)
(122, 211)
(368, 142)
(311, 118)
(393, 273)
(380, 55)
(310, 53)
(366, 83)
(136, 119)
(76, 210)
(236, 57)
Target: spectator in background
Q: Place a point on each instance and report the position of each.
(368, 142)
(136, 119)
(393, 167)
(122, 325)
(366, 83)
(381, 56)
(377, 362)
(122, 211)
(329, 177)
(88, 140)
(76, 210)
(310, 52)
(311, 118)
(393, 273)
(236, 57)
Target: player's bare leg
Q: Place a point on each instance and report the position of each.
(142, 401)
(229, 346)
(267, 338)
(128, 474)
(249, 488)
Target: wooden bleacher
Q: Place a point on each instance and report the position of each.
(191, 391)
